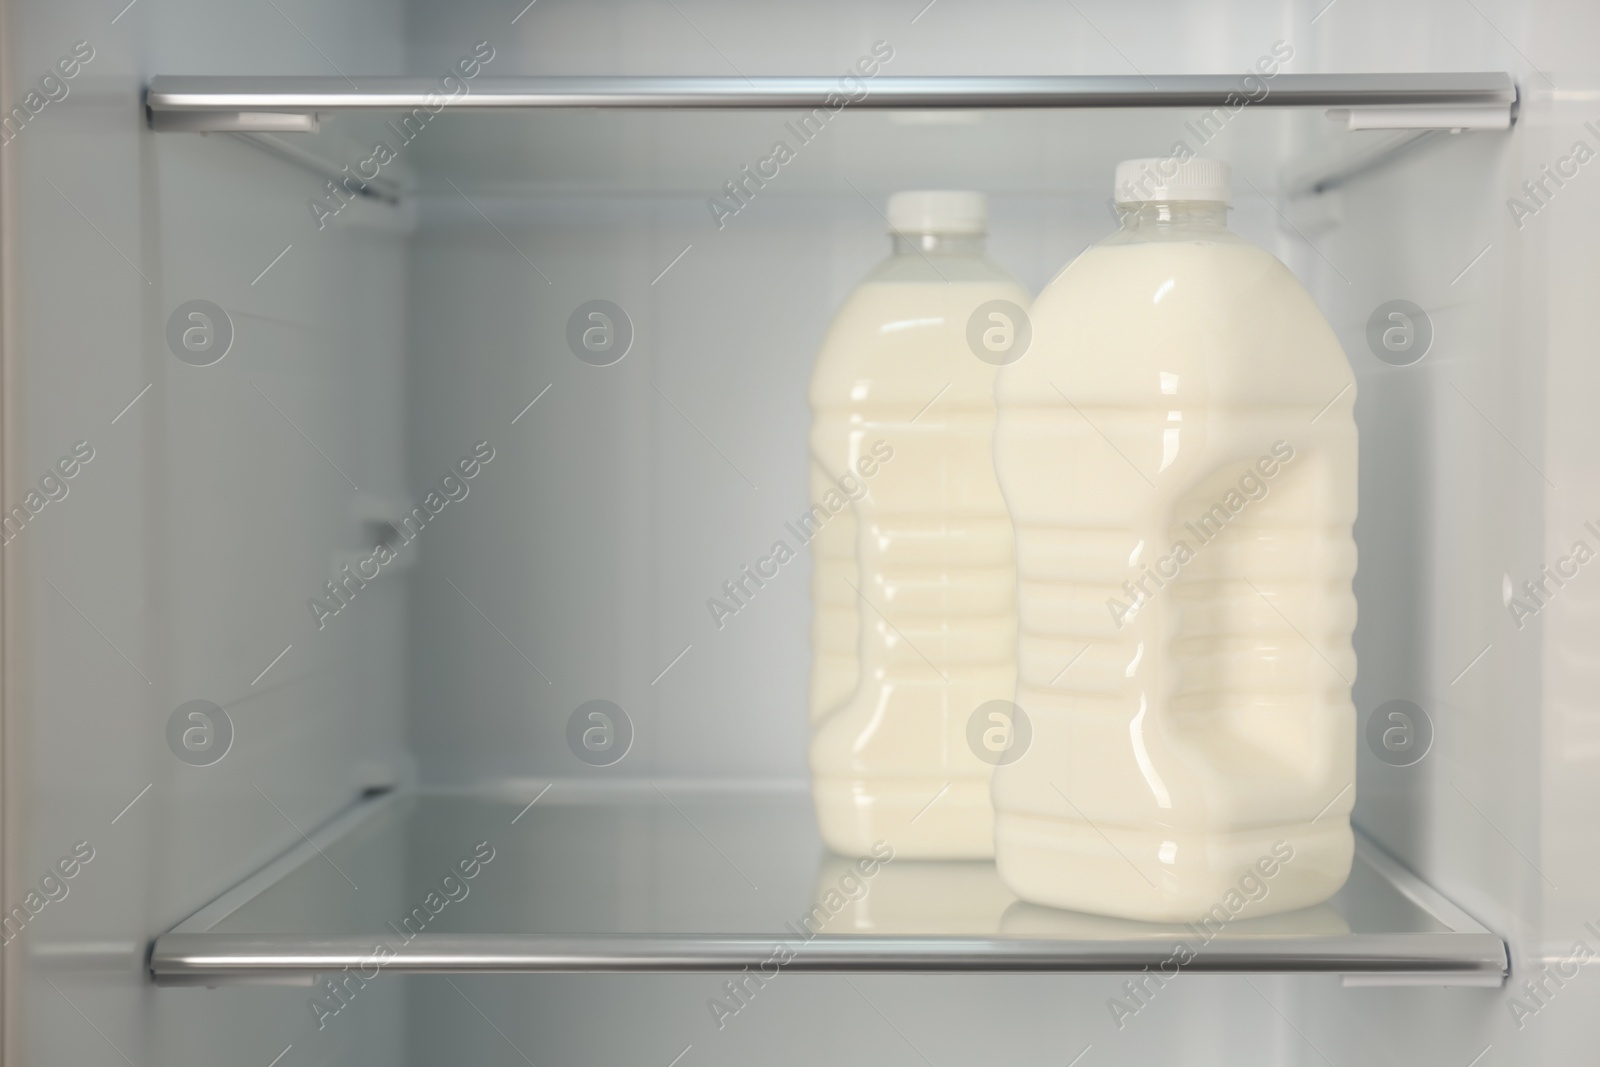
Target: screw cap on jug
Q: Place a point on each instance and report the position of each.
(1168, 178)
(938, 211)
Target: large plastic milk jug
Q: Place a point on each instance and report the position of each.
(913, 584)
(1178, 453)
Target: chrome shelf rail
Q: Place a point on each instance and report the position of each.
(1477, 100)
(1394, 959)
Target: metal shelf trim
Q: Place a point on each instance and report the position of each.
(225, 96)
(222, 956)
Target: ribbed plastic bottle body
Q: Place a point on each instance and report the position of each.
(835, 623)
(902, 406)
(1178, 454)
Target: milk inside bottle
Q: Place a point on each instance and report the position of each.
(1178, 454)
(913, 584)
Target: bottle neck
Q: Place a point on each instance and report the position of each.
(1165, 214)
(936, 244)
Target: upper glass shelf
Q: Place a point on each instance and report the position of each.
(643, 878)
(590, 136)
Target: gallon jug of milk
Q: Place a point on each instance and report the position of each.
(913, 583)
(1178, 454)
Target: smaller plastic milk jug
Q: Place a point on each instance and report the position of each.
(1178, 453)
(914, 588)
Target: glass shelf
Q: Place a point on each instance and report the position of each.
(519, 136)
(663, 878)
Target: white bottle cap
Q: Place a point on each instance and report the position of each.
(1142, 180)
(938, 211)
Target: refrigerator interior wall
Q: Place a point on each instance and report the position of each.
(177, 565)
(380, 349)
(1484, 452)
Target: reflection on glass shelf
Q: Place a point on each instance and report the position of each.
(1032, 920)
(915, 897)
(647, 879)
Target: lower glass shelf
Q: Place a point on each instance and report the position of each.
(655, 877)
